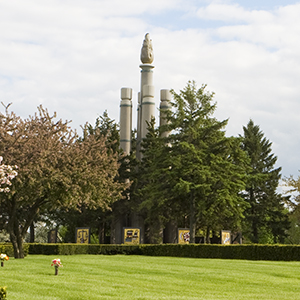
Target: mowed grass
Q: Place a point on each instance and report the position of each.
(141, 277)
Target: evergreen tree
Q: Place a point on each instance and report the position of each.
(207, 168)
(265, 217)
(153, 185)
(106, 128)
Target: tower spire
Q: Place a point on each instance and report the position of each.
(147, 50)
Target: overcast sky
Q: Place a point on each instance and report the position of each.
(74, 56)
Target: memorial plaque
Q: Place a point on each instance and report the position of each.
(82, 235)
(183, 235)
(132, 236)
(225, 237)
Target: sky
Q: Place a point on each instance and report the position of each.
(74, 56)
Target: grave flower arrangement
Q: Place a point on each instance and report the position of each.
(56, 263)
(3, 257)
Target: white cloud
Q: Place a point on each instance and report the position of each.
(74, 56)
(223, 12)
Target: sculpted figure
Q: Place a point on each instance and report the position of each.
(147, 50)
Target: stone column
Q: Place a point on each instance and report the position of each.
(138, 128)
(125, 119)
(148, 108)
(147, 97)
(147, 104)
(118, 221)
(165, 105)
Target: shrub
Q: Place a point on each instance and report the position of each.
(9, 250)
(249, 252)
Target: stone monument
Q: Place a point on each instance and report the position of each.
(145, 112)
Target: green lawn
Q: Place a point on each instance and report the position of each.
(140, 277)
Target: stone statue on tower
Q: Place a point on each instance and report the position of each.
(147, 50)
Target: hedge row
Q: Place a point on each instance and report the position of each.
(71, 249)
(9, 250)
(249, 252)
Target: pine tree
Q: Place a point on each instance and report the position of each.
(266, 216)
(150, 196)
(207, 167)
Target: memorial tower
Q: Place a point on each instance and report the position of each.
(146, 108)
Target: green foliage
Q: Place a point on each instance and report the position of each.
(292, 187)
(9, 250)
(56, 170)
(207, 168)
(153, 185)
(74, 249)
(293, 233)
(98, 219)
(4, 236)
(249, 252)
(190, 170)
(266, 218)
(106, 128)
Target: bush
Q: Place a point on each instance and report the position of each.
(72, 249)
(249, 252)
(9, 250)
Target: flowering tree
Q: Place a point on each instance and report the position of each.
(56, 169)
(7, 173)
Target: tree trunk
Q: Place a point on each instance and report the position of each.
(170, 232)
(192, 219)
(16, 237)
(102, 233)
(17, 242)
(32, 233)
(15, 230)
(254, 219)
(156, 232)
(254, 232)
(207, 238)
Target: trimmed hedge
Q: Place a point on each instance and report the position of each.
(71, 249)
(249, 252)
(9, 250)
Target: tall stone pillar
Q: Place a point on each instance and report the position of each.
(119, 218)
(138, 128)
(126, 119)
(147, 103)
(165, 105)
(148, 108)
